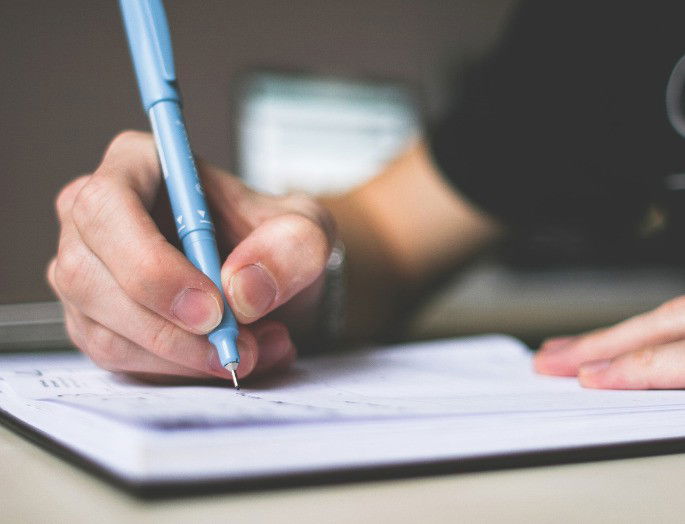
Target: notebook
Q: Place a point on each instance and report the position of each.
(414, 407)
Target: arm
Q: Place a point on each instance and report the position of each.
(402, 230)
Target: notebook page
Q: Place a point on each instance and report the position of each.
(481, 376)
(410, 402)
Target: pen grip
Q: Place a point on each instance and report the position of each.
(190, 210)
(186, 195)
(200, 248)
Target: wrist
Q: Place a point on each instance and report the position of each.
(328, 319)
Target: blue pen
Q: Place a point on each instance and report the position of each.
(150, 45)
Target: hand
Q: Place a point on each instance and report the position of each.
(644, 352)
(134, 303)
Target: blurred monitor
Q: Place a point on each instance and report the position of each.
(317, 134)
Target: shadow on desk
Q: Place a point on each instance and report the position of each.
(534, 304)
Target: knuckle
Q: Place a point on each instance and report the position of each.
(68, 273)
(162, 338)
(127, 138)
(63, 201)
(132, 151)
(90, 202)
(65, 198)
(147, 274)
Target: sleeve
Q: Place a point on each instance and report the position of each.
(543, 132)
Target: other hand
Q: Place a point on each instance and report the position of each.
(644, 352)
(134, 303)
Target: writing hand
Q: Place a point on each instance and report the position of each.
(134, 303)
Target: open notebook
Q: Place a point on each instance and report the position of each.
(442, 402)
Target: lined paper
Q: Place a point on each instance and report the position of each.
(405, 404)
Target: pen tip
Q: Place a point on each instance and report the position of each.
(235, 379)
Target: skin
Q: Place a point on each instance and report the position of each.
(132, 301)
(134, 304)
(644, 352)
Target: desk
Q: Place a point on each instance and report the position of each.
(38, 487)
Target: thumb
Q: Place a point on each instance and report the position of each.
(281, 257)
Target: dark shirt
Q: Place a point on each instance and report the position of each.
(562, 133)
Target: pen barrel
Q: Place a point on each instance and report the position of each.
(186, 195)
(200, 248)
(190, 210)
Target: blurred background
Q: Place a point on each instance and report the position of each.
(279, 93)
(67, 85)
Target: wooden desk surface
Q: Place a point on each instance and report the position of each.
(38, 487)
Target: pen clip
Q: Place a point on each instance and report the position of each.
(159, 27)
(149, 41)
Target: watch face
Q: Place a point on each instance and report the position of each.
(317, 134)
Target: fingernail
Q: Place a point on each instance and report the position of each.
(252, 290)
(273, 346)
(592, 368)
(554, 345)
(198, 310)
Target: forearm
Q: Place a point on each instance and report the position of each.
(402, 230)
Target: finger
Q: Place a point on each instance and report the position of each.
(662, 325)
(109, 350)
(554, 343)
(83, 281)
(111, 217)
(235, 207)
(276, 261)
(65, 198)
(276, 349)
(652, 367)
(238, 210)
(115, 353)
(50, 275)
(249, 355)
